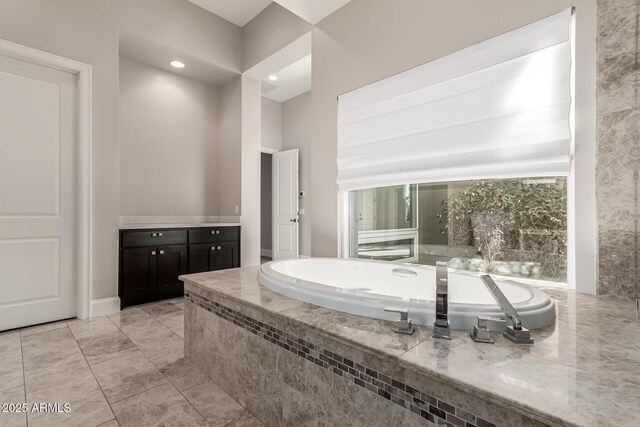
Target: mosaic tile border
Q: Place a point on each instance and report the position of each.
(405, 396)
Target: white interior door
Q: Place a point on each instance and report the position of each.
(38, 197)
(285, 205)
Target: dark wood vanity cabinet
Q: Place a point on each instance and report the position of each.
(172, 262)
(151, 260)
(213, 256)
(214, 249)
(138, 270)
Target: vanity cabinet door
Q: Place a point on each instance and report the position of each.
(200, 258)
(139, 267)
(172, 262)
(227, 255)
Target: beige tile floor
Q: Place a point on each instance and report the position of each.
(126, 369)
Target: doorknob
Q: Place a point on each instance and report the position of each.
(293, 220)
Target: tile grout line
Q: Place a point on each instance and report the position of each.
(140, 392)
(94, 374)
(225, 392)
(24, 375)
(155, 366)
(148, 360)
(208, 378)
(170, 382)
(136, 346)
(24, 378)
(233, 398)
(191, 404)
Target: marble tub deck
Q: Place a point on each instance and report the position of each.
(581, 371)
(125, 369)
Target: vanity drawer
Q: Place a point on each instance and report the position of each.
(213, 235)
(131, 239)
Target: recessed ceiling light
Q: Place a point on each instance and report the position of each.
(177, 64)
(273, 77)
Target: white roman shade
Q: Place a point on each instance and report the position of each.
(498, 109)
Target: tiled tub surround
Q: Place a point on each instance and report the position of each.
(289, 363)
(618, 148)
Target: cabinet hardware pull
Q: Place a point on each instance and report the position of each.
(161, 252)
(154, 234)
(218, 232)
(213, 248)
(218, 247)
(160, 234)
(213, 231)
(153, 253)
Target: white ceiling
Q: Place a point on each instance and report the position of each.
(312, 11)
(242, 11)
(293, 80)
(159, 56)
(237, 11)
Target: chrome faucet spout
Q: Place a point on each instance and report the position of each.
(441, 324)
(516, 333)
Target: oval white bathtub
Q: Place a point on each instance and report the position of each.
(366, 287)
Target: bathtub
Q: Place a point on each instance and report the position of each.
(366, 287)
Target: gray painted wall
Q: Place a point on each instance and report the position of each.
(271, 30)
(271, 122)
(266, 194)
(168, 143)
(229, 167)
(88, 32)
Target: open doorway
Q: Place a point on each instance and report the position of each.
(266, 214)
(279, 206)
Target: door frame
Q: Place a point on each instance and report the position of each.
(84, 143)
(271, 151)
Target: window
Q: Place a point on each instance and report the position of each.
(510, 227)
(384, 221)
(478, 148)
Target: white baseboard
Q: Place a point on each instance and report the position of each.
(104, 306)
(266, 252)
(305, 256)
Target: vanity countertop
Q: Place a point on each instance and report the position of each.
(582, 371)
(165, 226)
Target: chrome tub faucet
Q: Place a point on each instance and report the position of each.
(441, 325)
(516, 333)
(404, 326)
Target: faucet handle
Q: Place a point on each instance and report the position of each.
(486, 322)
(404, 325)
(482, 330)
(404, 312)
